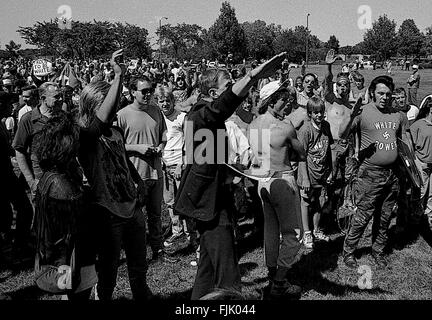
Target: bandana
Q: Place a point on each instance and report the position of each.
(342, 79)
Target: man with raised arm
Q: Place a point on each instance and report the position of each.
(203, 194)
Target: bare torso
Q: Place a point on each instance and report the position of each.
(336, 113)
(269, 141)
(297, 117)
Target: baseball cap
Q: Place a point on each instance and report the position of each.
(269, 89)
(415, 66)
(412, 112)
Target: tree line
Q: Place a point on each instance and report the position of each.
(251, 40)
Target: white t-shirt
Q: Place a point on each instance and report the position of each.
(172, 154)
(10, 123)
(23, 111)
(238, 146)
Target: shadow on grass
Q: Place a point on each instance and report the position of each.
(26, 293)
(173, 297)
(307, 272)
(410, 235)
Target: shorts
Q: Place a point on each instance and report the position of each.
(315, 198)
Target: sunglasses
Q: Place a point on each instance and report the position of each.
(146, 91)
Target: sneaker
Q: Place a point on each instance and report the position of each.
(161, 255)
(174, 238)
(284, 289)
(350, 261)
(308, 240)
(320, 236)
(379, 259)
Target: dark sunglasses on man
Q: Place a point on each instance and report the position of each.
(147, 91)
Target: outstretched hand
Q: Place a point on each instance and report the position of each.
(118, 68)
(268, 68)
(331, 57)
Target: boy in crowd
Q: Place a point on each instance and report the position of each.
(316, 138)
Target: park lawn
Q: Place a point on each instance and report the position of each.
(320, 273)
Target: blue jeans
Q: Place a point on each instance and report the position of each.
(114, 232)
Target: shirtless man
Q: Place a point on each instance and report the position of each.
(338, 108)
(271, 139)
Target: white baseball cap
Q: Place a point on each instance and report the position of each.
(413, 112)
(269, 89)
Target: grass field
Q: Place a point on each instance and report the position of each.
(320, 272)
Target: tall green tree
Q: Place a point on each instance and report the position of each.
(87, 39)
(259, 38)
(182, 40)
(427, 47)
(409, 39)
(294, 43)
(332, 43)
(226, 35)
(381, 38)
(12, 48)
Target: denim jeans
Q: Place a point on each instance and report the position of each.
(375, 193)
(114, 232)
(171, 185)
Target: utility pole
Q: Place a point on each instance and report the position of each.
(307, 40)
(160, 37)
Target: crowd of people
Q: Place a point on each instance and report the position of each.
(92, 150)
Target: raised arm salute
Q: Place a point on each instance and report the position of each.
(202, 194)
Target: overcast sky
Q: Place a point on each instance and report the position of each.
(327, 17)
